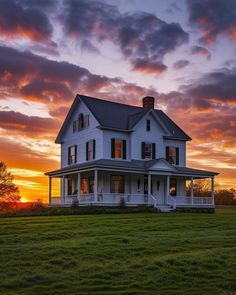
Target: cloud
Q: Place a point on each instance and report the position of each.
(144, 66)
(89, 47)
(180, 64)
(32, 126)
(213, 18)
(140, 36)
(202, 51)
(24, 19)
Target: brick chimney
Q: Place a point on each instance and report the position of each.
(148, 102)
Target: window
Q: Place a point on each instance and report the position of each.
(118, 148)
(173, 186)
(172, 155)
(117, 184)
(84, 185)
(70, 186)
(81, 122)
(148, 125)
(86, 121)
(90, 150)
(148, 150)
(91, 185)
(72, 154)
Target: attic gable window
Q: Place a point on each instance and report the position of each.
(172, 155)
(148, 150)
(81, 123)
(148, 125)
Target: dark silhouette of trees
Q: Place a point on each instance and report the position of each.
(9, 192)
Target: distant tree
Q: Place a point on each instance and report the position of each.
(9, 192)
(201, 188)
(225, 197)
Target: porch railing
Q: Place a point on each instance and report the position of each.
(195, 201)
(107, 199)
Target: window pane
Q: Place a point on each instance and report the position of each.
(84, 185)
(118, 149)
(90, 150)
(172, 155)
(91, 185)
(173, 186)
(148, 150)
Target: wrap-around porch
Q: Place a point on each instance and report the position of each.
(112, 187)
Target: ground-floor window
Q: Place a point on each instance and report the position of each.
(173, 186)
(84, 185)
(70, 186)
(117, 184)
(91, 185)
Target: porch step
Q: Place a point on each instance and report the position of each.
(165, 208)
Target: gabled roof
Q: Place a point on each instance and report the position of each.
(122, 117)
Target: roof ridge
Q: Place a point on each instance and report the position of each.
(108, 101)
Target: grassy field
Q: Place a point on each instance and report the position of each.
(151, 253)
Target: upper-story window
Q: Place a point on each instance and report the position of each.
(148, 125)
(118, 148)
(90, 150)
(81, 123)
(172, 155)
(148, 150)
(72, 154)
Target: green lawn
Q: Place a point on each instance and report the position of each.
(177, 253)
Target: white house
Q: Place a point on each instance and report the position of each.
(112, 152)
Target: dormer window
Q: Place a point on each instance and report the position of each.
(172, 155)
(148, 125)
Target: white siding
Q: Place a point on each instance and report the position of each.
(155, 135)
(80, 138)
(182, 149)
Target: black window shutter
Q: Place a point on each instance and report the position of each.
(94, 149)
(68, 155)
(167, 153)
(75, 153)
(177, 155)
(124, 149)
(153, 150)
(87, 151)
(113, 148)
(143, 150)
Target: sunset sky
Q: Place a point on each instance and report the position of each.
(181, 52)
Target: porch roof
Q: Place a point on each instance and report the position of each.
(140, 166)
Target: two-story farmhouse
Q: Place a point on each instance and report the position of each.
(112, 152)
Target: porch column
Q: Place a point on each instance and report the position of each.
(149, 184)
(191, 186)
(63, 189)
(167, 188)
(212, 190)
(78, 186)
(95, 185)
(50, 191)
